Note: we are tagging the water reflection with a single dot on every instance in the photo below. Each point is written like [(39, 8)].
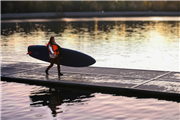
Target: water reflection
[(138, 44), (62, 100), (79, 104), (55, 97), (97, 29)]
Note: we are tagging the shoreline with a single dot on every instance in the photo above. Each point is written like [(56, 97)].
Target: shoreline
[(85, 14)]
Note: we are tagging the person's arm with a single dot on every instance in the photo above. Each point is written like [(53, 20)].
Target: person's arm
[(51, 50)]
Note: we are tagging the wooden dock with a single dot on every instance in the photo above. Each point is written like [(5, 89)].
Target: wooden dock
[(128, 82)]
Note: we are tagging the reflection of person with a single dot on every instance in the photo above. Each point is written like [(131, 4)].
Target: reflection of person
[(54, 102), (54, 52)]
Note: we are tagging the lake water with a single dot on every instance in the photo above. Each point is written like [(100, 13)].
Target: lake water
[(150, 43), (30, 102)]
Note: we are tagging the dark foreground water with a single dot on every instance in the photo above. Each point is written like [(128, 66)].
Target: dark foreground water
[(30, 102), (143, 43)]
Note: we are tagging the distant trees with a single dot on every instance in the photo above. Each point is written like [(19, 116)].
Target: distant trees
[(87, 6)]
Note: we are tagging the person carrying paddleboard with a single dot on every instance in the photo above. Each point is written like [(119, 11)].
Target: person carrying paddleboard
[(54, 52)]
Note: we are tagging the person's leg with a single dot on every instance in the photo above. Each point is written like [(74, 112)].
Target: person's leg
[(51, 64), (58, 65)]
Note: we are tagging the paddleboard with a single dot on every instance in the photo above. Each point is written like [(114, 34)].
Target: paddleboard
[(68, 57)]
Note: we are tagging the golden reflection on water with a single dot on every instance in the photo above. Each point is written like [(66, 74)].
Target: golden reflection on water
[(99, 19), (123, 44)]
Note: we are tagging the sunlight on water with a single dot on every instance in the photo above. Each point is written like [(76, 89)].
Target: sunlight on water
[(150, 43), (98, 19), (139, 43)]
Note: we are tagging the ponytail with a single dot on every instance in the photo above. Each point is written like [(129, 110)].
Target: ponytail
[(50, 40)]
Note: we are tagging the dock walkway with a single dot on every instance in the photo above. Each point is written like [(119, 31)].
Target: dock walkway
[(113, 80)]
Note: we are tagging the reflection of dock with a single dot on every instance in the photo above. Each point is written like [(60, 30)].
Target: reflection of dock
[(128, 82)]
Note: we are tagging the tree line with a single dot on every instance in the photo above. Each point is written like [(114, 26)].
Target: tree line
[(87, 6)]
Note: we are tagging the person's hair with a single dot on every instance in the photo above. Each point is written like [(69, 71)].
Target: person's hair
[(50, 40)]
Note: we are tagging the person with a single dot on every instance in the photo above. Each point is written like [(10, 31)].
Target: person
[(54, 52)]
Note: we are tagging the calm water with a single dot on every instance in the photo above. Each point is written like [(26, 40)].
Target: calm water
[(29, 102), (141, 43)]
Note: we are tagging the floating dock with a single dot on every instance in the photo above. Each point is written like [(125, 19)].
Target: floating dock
[(117, 81)]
